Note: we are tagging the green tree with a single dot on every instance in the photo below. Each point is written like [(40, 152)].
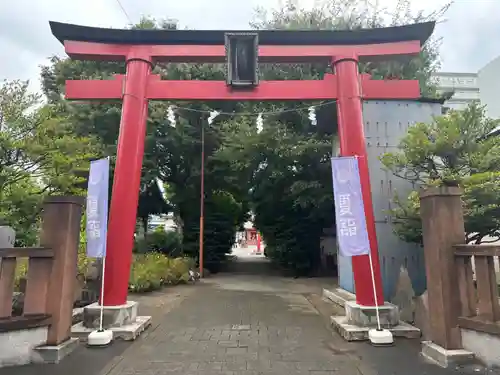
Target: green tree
[(357, 14), (290, 184), (447, 149), (452, 150), (171, 154), (19, 208), (39, 155), (287, 165)]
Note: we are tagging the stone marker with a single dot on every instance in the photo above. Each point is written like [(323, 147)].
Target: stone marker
[(7, 239), (422, 315), (404, 296), (7, 236)]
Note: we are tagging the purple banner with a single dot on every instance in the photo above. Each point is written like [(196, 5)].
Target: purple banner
[(352, 235), (97, 208)]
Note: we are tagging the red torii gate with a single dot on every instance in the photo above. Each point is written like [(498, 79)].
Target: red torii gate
[(140, 49)]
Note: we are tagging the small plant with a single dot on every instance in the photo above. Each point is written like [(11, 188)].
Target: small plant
[(159, 241), (21, 272), (151, 271), (84, 262)]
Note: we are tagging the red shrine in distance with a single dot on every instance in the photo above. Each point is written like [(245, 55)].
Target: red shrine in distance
[(141, 49)]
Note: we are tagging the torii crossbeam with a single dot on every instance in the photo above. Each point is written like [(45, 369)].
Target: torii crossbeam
[(140, 49)]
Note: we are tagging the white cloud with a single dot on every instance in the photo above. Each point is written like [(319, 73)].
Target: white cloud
[(25, 38), (469, 34)]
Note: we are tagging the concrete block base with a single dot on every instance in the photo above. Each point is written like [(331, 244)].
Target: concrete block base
[(54, 354), (483, 345), (18, 347), (366, 316), (127, 332), (113, 316), (360, 333), (338, 296), (445, 358)]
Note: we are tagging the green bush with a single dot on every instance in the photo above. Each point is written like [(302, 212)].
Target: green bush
[(224, 214), (159, 241), (151, 271), (83, 263)]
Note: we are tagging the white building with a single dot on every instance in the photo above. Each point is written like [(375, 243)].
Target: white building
[(489, 87), (464, 85), (467, 87), (165, 221)]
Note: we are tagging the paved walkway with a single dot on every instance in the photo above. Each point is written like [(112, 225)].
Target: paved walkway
[(256, 325), (218, 331), (242, 324)]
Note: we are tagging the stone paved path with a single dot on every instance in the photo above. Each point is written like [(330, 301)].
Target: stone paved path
[(243, 324), (258, 325), (238, 332)]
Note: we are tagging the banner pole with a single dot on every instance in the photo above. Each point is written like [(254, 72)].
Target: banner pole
[(377, 312), (102, 292), (96, 230)]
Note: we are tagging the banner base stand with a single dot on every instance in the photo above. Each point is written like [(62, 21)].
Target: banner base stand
[(355, 333), (122, 320), (100, 338), (362, 316), (358, 320), (380, 337)]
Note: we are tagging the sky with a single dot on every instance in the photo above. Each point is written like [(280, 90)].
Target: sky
[(469, 31)]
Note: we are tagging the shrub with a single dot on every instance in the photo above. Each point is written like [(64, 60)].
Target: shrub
[(21, 272), (151, 271), (159, 241), (83, 264)]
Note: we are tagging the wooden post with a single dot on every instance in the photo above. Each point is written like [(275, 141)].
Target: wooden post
[(7, 273), (442, 227), (61, 232)]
